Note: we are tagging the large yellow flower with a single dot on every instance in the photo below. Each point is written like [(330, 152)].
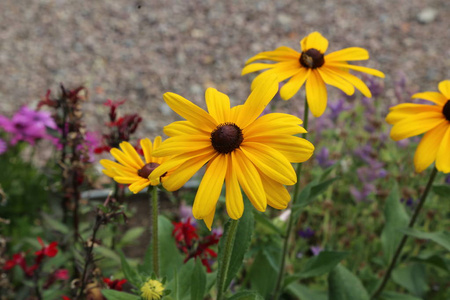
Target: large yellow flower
[(410, 119), (239, 147), (314, 68), (130, 168)]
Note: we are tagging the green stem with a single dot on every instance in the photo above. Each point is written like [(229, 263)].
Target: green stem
[(291, 218), (399, 249), (225, 259), (153, 190)]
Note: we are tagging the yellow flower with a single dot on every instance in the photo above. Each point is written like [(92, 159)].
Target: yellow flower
[(410, 119), (312, 66), (239, 147), (130, 168), (152, 290)]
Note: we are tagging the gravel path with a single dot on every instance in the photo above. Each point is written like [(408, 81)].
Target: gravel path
[(138, 50)]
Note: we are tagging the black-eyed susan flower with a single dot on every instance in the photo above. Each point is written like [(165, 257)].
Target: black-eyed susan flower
[(410, 119), (130, 169), (240, 147), (313, 67), (152, 290)]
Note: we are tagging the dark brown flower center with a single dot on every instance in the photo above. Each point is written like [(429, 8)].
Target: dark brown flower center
[(226, 137), (146, 170), (312, 59), (446, 110)]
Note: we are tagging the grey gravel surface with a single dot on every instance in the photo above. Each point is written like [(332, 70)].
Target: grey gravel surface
[(138, 50)]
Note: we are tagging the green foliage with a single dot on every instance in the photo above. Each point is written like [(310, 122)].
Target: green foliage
[(321, 264), (441, 238), (344, 285), (116, 295), (412, 277)]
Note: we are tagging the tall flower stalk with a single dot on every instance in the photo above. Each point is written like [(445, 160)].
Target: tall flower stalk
[(225, 259), (291, 218), (153, 195), (399, 249)]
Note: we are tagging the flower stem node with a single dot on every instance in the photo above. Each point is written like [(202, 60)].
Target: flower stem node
[(152, 290)]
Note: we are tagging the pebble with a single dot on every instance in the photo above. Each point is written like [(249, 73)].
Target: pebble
[(427, 15)]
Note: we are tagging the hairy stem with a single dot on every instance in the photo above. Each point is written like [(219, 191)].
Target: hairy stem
[(225, 262), (155, 246)]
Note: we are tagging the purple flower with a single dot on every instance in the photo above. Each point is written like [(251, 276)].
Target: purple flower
[(363, 194), (375, 85), (306, 234), (447, 179), (409, 202), (3, 146), (337, 107), (316, 250), (322, 158)]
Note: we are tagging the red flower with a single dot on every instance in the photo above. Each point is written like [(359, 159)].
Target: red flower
[(17, 259), (115, 284), (184, 233), (49, 250)]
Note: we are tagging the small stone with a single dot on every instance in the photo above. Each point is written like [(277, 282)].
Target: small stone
[(427, 15), (165, 109)]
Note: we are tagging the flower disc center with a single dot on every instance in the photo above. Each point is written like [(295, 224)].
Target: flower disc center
[(312, 59), (446, 110), (226, 137), (146, 170)]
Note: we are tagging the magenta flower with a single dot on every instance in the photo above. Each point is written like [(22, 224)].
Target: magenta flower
[(3, 146)]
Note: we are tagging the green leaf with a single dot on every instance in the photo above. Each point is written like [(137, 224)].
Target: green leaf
[(108, 253), (116, 295), (440, 237), (130, 273), (185, 280), (241, 243), (147, 266), (344, 285), (396, 296), (395, 218), (412, 277), (442, 190), (198, 281), (302, 292), (262, 274), (321, 264), (55, 225), (266, 222), (170, 257), (246, 295), (432, 259), (131, 236)]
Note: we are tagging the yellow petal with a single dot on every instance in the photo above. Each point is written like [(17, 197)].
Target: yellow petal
[(218, 105), (434, 97), (146, 146), (124, 159), (405, 110), (335, 80), (352, 79), (233, 196), (279, 54), (314, 41), (270, 162), (348, 54), (443, 154), (183, 143), (209, 219), (370, 71), (128, 180), (277, 195), (316, 94), (210, 187), (139, 186), (257, 101), (428, 147), (189, 111), (282, 73), (416, 125), (256, 67), (288, 90), (157, 142), (185, 171), (249, 179), (444, 88), (130, 152), (182, 128), (115, 167)]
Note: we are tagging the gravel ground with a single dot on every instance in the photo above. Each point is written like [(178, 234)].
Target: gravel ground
[(138, 50)]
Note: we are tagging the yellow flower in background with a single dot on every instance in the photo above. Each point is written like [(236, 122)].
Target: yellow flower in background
[(130, 169), (152, 290), (313, 67), (410, 119), (239, 147)]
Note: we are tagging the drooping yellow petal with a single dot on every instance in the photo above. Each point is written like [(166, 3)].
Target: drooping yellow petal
[(335, 80), (270, 162), (314, 41), (138, 186), (128, 180), (249, 179), (416, 125), (289, 89), (444, 88), (405, 110), (428, 147), (352, 79), (347, 54), (182, 128), (115, 167), (147, 148), (131, 153), (434, 97), (367, 70), (257, 101), (210, 187), (280, 54), (256, 67), (277, 195), (233, 196), (185, 171), (316, 94), (110, 172), (282, 73), (209, 219), (218, 105), (189, 111), (124, 159), (443, 154)]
